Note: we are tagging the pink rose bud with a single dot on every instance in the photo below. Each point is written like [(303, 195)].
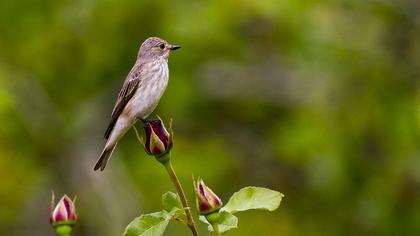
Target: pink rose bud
[(207, 200), (158, 139), (64, 212)]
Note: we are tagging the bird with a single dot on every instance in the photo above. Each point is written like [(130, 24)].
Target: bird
[(140, 93)]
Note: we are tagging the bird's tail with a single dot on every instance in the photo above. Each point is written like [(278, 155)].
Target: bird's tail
[(105, 155)]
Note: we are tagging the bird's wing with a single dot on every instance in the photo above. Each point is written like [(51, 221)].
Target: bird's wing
[(127, 91)]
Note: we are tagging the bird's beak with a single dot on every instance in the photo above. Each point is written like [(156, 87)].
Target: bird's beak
[(174, 47)]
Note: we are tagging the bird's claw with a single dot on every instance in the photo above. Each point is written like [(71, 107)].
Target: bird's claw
[(143, 120)]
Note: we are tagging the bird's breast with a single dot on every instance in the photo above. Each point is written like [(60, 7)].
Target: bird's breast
[(150, 90)]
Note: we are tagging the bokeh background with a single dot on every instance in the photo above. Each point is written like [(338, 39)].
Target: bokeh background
[(317, 99)]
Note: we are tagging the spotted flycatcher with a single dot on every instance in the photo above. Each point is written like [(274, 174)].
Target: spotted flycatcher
[(140, 93)]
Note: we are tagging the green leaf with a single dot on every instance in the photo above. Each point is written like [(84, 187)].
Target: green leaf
[(253, 198), (153, 224), (227, 221), (171, 201)]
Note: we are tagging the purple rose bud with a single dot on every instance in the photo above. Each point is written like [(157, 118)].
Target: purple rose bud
[(207, 200), (64, 212), (158, 139)]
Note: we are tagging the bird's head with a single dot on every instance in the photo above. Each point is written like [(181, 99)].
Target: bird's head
[(155, 47)]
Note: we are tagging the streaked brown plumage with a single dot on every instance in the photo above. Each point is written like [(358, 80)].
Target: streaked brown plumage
[(140, 93)]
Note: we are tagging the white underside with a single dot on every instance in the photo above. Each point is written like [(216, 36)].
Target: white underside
[(142, 104)]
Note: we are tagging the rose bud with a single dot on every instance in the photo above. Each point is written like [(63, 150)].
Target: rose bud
[(207, 200), (158, 139), (64, 212)]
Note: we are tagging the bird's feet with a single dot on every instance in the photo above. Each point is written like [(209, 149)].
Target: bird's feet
[(144, 121)]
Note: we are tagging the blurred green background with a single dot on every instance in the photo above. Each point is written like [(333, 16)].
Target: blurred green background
[(317, 99)]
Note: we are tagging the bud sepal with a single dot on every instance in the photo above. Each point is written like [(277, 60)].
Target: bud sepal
[(158, 141), (207, 201), (63, 216)]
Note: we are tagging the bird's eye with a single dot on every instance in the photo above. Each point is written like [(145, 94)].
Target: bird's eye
[(162, 46)]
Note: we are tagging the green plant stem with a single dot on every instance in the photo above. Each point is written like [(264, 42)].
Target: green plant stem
[(216, 229), (64, 234), (190, 221), (63, 230)]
